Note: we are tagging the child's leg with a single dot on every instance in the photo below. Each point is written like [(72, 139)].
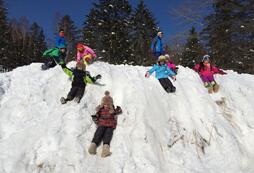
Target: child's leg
[(167, 85), (72, 93), (98, 135), (106, 142), (79, 94), (108, 136)]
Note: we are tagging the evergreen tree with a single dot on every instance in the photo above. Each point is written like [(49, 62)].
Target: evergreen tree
[(37, 43), (144, 29), (230, 33), (3, 36), (193, 50), (71, 35), (107, 30)]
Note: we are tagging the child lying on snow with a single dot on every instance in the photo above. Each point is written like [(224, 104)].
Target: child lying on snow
[(80, 78), (206, 72), (106, 122)]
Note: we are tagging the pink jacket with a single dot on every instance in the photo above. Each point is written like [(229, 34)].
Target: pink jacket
[(171, 65), (87, 50), (208, 70)]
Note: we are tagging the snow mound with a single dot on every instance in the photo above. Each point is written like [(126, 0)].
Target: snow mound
[(189, 131)]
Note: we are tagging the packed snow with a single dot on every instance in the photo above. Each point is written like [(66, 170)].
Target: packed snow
[(189, 131)]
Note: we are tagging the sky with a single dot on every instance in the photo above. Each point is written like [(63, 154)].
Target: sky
[(44, 12)]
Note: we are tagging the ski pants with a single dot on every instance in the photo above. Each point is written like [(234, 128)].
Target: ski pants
[(167, 85), (104, 134), (207, 78), (77, 92)]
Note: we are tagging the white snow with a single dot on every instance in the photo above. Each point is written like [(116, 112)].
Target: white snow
[(186, 132)]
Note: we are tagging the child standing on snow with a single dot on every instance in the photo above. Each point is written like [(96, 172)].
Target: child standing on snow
[(80, 79), (85, 54), (206, 72), (56, 55), (106, 122), (157, 45), (162, 72), (60, 40)]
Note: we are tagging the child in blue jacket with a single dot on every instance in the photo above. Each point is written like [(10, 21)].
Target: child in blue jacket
[(60, 40), (162, 72)]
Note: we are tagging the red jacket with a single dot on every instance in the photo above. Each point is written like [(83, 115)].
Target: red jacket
[(105, 118)]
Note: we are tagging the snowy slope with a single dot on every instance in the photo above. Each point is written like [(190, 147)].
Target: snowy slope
[(186, 132)]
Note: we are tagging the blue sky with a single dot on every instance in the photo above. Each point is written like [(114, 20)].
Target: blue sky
[(44, 11)]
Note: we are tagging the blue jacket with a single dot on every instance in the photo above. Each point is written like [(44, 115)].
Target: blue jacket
[(161, 71), (60, 41), (157, 45)]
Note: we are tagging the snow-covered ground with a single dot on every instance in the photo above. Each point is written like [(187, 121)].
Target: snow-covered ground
[(186, 132)]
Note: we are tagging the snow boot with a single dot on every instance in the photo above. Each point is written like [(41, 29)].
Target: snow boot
[(105, 150), (63, 100), (216, 88), (92, 148)]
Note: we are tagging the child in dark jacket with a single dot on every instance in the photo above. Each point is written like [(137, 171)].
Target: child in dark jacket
[(80, 79), (106, 122)]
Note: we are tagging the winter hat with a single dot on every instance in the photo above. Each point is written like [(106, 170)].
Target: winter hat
[(107, 100), (167, 56), (161, 58), (206, 58), (81, 66), (80, 47)]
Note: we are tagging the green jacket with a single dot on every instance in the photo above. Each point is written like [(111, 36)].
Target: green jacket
[(87, 78), (56, 54)]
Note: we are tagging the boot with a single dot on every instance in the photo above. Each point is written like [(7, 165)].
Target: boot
[(92, 148), (216, 88), (63, 100), (105, 150)]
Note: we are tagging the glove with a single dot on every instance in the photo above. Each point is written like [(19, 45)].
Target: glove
[(174, 78), (63, 65), (147, 75), (98, 77), (94, 118)]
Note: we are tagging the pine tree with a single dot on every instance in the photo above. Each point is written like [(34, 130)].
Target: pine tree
[(107, 30), (3, 36), (37, 43), (71, 35), (230, 34), (144, 29), (193, 50)]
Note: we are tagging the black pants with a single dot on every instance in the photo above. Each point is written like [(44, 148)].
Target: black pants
[(104, 134), (75, 92), (167, 85)]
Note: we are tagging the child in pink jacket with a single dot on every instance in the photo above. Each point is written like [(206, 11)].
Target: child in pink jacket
[(206, 72), (170, 64), (85, 53)]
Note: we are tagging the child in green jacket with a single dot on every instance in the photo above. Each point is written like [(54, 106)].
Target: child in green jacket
[(56, 55)]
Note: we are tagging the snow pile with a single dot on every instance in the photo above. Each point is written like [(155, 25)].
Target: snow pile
[(189, 131)]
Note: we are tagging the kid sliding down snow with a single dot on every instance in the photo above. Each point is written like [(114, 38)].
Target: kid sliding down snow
[(162, 72), (206, 72), (106, 122), (56, 55), (80, 78)]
